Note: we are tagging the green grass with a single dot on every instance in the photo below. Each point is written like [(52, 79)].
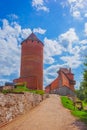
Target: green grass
[(41, 92), (81, 114), (67, 103), (84, 103), (21, 89)]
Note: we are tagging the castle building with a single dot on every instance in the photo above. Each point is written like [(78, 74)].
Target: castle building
[(31, 70), (63, 84)]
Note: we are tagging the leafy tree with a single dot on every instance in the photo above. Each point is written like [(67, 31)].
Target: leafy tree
[(83, 86), (80, 94)]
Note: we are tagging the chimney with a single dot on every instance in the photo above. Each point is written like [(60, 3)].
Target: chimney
[(69, 70)]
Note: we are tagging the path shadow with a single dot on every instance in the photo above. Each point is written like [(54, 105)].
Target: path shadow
[(81, 125)]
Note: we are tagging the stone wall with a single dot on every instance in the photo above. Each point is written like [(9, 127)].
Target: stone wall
[(63, 91), (12, 105)]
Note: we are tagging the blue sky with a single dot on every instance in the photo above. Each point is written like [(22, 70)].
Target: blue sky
[(60, 24)]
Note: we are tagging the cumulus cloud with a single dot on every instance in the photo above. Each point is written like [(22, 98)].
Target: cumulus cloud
[(25, 33), (85, 29), (51, 48), (83, 41), (9, 49), (76, 14), (72, 61), (85, 15), (2, 81), (39, 30), (40, 5), (83, 51), (78, 8), (68, 38)]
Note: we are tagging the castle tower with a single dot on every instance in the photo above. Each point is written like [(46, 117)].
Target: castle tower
[(31, 70)]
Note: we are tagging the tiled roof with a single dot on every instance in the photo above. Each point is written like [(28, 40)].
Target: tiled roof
[(33, 37), (65, 70)]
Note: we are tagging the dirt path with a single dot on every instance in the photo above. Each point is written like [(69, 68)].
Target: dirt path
[(49, 115)]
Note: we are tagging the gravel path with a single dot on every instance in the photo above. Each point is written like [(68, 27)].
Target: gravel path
[(49, 115)]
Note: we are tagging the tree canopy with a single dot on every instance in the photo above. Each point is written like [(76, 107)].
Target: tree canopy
[(82, 92)]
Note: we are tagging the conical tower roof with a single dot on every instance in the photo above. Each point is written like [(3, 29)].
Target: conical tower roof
[(33, 37)]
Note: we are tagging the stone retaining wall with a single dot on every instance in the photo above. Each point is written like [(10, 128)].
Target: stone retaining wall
[(12, 105)]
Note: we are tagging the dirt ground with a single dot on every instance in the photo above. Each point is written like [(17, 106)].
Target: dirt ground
[(49, 115)]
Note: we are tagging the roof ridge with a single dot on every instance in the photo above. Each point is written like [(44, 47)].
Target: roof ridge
[(33, 37)]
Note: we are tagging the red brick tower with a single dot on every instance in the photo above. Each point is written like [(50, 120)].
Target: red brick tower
[(31, 70)]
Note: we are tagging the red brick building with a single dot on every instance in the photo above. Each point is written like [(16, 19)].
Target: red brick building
[(31, 71), (63, 84)]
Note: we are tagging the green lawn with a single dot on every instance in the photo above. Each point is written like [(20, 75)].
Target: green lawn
[(21, 89), (67, 103)]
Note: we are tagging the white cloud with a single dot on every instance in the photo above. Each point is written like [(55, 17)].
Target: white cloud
[(25, 33), (67, 39), (39, 30), (72, 61), (78, 8), (40, 5), (9, 49), (68, 44), (69, 36), (2, 81), (37, 2), (13, 16), (48, 59), (50, 74), (85, 29), (83, 41), (76, 14), (76, 50), (44, 8), (51, 48), (83, 51), (85, 15), (77, 85)]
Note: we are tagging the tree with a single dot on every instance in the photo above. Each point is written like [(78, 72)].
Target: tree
[(83, 86)]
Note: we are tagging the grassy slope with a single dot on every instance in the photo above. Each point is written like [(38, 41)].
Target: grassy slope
[(20, 89), (67, 103)]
